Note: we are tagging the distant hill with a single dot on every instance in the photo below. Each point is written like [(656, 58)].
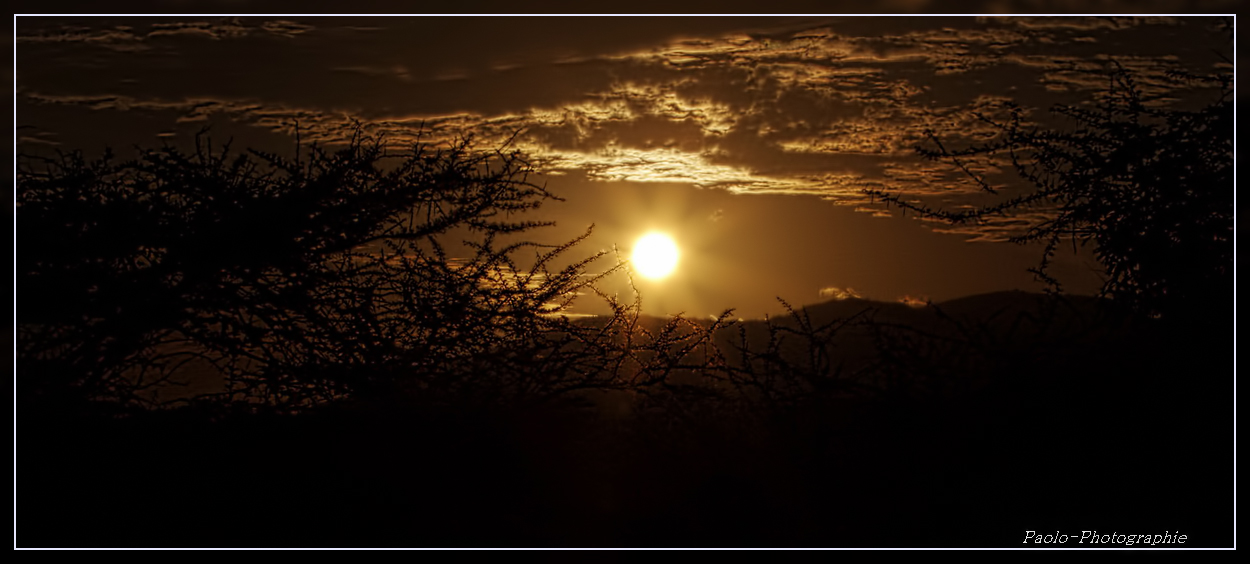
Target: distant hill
[(961, 343), (981, 307)]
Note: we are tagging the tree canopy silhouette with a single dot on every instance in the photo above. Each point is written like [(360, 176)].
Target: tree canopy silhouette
[(1150, 184), (299, 280)]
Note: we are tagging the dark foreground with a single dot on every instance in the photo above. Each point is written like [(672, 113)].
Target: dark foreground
[(1135, 440)]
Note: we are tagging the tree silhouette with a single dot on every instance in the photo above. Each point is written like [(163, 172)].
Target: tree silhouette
[(1151, 185), (301, 280)]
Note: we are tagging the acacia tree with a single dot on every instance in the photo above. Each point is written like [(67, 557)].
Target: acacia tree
[(1150, 185), (303, 280)]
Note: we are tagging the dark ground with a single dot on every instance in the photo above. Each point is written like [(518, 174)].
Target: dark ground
[(1129, 438)]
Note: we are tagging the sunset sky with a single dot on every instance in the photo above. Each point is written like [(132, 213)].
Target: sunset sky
[(749, 140)]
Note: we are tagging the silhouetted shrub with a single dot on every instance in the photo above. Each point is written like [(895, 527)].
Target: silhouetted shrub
[(299, 281), (1149, 183)]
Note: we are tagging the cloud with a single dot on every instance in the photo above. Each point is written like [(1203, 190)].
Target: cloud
[(285, 28), (914, 301), (37, 140), (120, 38), (1080, 23), (826, 106), (127, 38), (836, 293)]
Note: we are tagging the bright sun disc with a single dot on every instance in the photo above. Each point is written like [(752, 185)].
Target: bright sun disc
[(655, 255)]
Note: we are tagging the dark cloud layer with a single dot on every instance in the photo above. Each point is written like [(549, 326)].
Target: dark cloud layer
[(828, 106), (811, 107)]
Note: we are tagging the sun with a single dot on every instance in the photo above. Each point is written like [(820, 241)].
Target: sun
[(655, 256)]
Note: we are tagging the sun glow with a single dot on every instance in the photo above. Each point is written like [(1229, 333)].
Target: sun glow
[(655, 256)]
